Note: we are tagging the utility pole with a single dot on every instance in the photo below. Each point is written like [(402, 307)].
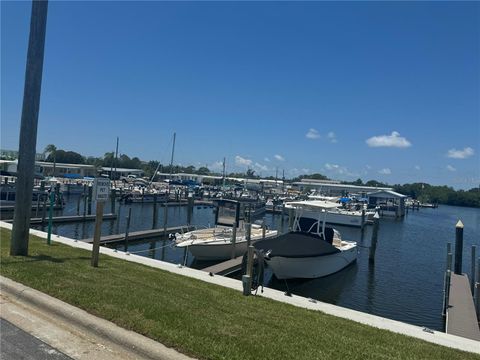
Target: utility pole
[(28, 129)]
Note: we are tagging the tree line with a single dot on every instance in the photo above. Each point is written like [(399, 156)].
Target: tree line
[(419, 191)]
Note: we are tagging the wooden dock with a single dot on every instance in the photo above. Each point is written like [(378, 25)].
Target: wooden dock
[(70, 218), (225, 268), (139, 235), (461, 316)]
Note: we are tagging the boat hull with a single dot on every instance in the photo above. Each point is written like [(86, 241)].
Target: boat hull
[(221, 250), (311, 267)]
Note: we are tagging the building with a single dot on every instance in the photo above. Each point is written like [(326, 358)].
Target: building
[(335, 188), (76, 171), (390, 203), (122, 172)]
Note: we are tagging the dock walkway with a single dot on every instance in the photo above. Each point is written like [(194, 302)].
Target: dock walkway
[(69, 218), (461, 315), (139, 235), (225, 268)]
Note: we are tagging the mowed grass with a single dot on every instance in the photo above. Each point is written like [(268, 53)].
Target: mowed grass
[(200, 319)]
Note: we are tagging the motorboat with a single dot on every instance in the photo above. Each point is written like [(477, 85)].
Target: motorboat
[(311, 250), (338, 214), (220, 242)]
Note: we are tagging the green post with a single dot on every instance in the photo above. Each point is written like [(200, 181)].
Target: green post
[(50, 216)]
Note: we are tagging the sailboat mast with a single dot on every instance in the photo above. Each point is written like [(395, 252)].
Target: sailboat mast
[(223, 186), (173, 152)]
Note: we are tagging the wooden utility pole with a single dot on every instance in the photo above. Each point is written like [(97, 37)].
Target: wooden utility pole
[(28, 129)]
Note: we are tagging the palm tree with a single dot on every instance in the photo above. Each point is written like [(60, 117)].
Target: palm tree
[(52, 150)]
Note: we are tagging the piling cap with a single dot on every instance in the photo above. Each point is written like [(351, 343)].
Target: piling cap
[(459, 224)]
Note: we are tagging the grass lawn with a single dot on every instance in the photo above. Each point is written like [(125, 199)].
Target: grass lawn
[(200, 319)]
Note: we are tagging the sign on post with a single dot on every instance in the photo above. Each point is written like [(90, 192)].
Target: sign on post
[(101, 190)]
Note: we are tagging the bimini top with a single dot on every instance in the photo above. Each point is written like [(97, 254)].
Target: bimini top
[(296, 245), (313, 204)]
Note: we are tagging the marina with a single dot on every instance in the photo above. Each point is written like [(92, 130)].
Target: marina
[(376, 288)]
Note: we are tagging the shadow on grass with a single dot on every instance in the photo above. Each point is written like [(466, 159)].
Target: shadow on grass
[(48, 258)]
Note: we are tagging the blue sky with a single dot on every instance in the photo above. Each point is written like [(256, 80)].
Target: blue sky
[(387, 91)]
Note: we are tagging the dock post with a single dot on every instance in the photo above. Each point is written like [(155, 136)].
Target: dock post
[(97, 234), (78, 204), (446, 285), (234, 239), (264, 229), (472, 272), (458, 247), (282, 219), (248, 233), (247, 278), (84, 205), (290, 219), (477, 289), (363, 219), (112, 201), (127, 230), (90, 193), (44, 209), (50, 217), (154, 222), (143, 194), (447, 290), (373, 245), (165, 220), (189, 208)]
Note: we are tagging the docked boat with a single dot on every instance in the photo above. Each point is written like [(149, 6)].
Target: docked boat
[(219, 242), (337, 214), (311, 250)]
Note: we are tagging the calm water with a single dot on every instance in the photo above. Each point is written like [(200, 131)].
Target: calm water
[(405, 283)]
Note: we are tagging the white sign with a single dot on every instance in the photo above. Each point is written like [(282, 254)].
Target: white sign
[(101, 189)]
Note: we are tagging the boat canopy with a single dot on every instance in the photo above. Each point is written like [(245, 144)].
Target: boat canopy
[(296, 245), (314, 204)]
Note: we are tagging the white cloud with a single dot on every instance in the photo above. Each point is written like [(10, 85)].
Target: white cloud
[(392, 140), (385, 171), (451, 168), (279, 157), (216, 166), (260, 167), (332, 137), (460, 154), (312, 134), (240, 161), (417, 167), (266, 159), (336, 169)]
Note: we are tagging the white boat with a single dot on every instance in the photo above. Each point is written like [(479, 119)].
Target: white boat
[(312, 250), (216, 243), (336, 214)]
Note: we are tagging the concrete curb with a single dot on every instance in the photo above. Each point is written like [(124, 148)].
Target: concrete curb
[(134, 342)]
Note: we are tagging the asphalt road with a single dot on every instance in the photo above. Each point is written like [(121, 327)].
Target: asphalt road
[(16, 344)]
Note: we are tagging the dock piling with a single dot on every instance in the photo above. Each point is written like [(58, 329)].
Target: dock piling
[(44, 209), (90, 194), (264, 228), (165, 220), (154, 220), (363, 219), (78, 204), (472, 272), (234, 239), (458, 247), (248, 232), (373, 245), (127, 230), (112, 200)]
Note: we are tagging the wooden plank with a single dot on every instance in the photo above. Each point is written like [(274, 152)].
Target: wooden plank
[(461, 315), (226, 267), (139, 235)]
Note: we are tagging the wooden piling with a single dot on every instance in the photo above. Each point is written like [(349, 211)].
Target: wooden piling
[(44, 209), (89, 201), (97, 233), (127, 230), (264, 229), (248, 232), (373, 245), (165, 220), (234, 239), (363, 219), (477, 289), (112, 200), (458, 247), (154, 222), (472, 272), (190, 208), (78, 204)]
